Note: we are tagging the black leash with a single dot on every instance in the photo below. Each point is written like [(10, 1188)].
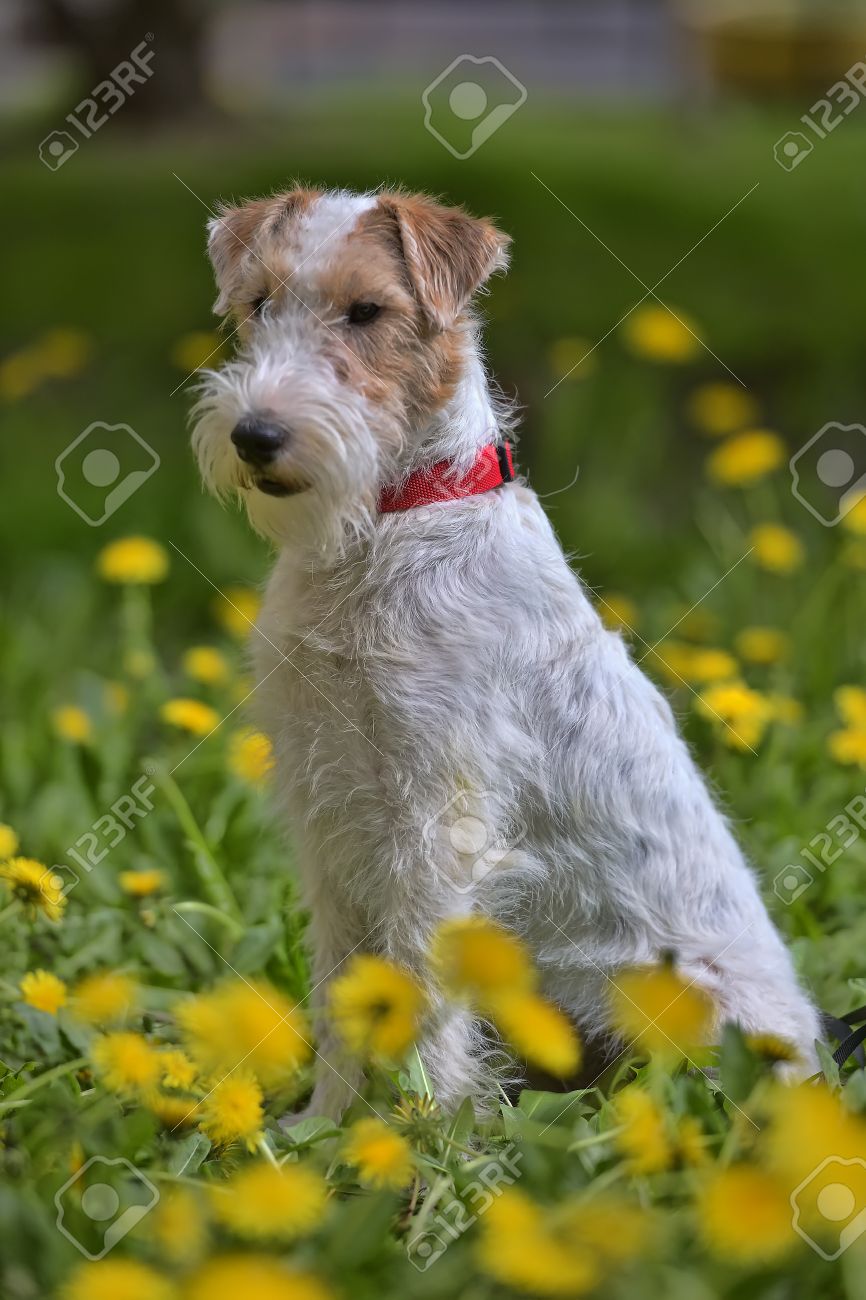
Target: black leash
[(852, 1039)]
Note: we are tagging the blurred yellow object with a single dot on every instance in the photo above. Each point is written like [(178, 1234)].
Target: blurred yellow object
[(659, 334), (236, 610), (20, 375), (190, 715), (739, 714), (719, 409), (63, 352), (206, 664), (746, 458), (572, 358), (785, 709), (133, 560), (762, 645), (745, 1214), (776, 549), (140, 884), (8, 841), (250, 756), (72, 723), (196, 349), (44, 991), (680, 662)]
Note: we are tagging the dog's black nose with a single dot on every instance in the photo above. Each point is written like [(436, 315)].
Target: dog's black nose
[(257, 440)]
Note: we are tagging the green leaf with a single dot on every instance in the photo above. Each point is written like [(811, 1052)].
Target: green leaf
[(739, 1069), (463, 1123), (307, 1132), (252, 952), (829, 1067), (188, 1154)]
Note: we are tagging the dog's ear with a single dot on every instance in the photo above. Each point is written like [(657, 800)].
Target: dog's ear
[(233, 235), (448, 253), (228, 237)]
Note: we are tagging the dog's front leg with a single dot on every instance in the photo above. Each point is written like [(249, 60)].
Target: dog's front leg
[(452, 1046), (335, 933)]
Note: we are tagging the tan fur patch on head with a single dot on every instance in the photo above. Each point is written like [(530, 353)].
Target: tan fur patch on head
[(449, 254), (237, 234)]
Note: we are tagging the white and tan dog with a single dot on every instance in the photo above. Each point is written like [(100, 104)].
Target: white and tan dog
[(425, 670)]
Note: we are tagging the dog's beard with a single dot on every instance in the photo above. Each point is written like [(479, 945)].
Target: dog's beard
[(340, 448)]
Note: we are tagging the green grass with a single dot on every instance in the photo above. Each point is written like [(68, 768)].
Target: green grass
[(113, 245)]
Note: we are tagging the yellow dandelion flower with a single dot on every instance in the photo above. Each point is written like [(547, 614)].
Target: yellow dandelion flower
[(850, 702), (572, 358), (376, 1008), (776, 549), (262, 1202), (658, 334), (8, 842), (709, 665), (250, 756), (605, 1224), (104, 998), (854, 518), (260, 1277), (133, 561), (762, 645), (644, 1137), (618, 612), (140, 884), (691, 1142), (177, 1226), (382, 1157), (117, 1279), (538, 1031), (31, 882), (127, 1062), (44, 991), (171, 1110), (250, 1022), (63, 352), (673, 659), (534, 1248), (237, 609), (720, 408), (771, 1047), (232, 1111), (655, 1007), (206, 664), (746, 458), (72, 723), (196, 349), (178, 1071), (190, 715), (848, 746), (696, 622), (808, 1125), (744, 1215), (739, 714), (477, 959)]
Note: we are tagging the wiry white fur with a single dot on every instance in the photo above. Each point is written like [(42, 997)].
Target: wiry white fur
[(456, 651)]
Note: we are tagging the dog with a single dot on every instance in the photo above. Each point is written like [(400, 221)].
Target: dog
[(429, 661)]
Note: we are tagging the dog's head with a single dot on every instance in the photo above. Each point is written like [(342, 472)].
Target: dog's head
[(355, 333)]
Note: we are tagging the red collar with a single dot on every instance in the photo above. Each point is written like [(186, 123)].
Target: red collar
[(424, 487)]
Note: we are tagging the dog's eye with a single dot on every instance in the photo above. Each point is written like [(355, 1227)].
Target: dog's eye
[(258, 304), (361, 312)]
